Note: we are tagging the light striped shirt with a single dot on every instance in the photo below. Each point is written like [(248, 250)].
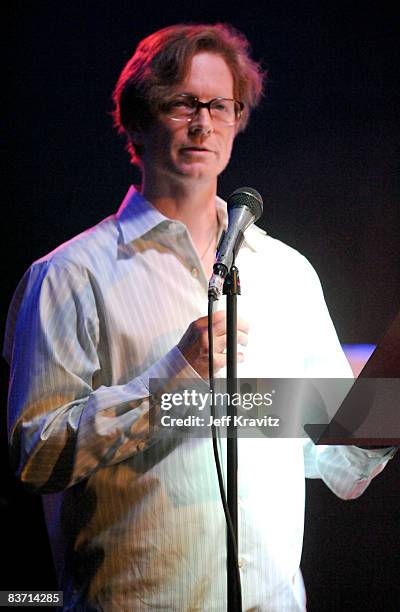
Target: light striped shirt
[(135, 522)]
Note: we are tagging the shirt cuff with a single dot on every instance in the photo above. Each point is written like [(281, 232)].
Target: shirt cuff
[(172, 366), (386, 452)]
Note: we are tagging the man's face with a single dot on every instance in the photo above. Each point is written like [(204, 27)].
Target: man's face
[(199, 150)]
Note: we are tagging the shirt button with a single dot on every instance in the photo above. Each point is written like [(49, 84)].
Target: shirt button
[(194, 272), (240, 562)]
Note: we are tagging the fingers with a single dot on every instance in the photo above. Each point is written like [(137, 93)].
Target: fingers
[(243, 325), (219, 323), (194, 343), (242, 338)]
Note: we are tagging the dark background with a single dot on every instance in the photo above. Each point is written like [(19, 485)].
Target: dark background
[(322, 149)]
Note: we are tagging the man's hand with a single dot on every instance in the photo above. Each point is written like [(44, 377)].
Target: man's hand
[(194, 343)]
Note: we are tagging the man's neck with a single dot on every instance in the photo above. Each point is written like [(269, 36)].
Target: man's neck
[(192, 204)]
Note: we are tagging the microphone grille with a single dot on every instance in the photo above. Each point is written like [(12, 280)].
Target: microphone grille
[(247, 196)]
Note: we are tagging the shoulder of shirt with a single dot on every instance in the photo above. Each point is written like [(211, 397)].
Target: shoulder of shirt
[(87, 249), (91, 250), (277, 251)]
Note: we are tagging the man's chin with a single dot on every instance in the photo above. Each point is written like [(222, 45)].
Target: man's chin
[(199, 171)]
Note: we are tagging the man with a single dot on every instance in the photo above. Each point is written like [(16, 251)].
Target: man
[(136, 522)]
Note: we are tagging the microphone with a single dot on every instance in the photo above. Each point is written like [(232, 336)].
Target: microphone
[(245, 206)]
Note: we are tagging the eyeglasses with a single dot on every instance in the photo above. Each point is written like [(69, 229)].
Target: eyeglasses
[(184, 107)]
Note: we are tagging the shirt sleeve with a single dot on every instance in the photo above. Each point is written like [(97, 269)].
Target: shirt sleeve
[(346, 470), (62, 426)]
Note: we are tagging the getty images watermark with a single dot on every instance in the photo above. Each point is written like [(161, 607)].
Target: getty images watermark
[(202, 402), (277, 408), (257, 408)]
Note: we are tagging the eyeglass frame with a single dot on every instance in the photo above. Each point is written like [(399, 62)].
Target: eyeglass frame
[(207, 105)]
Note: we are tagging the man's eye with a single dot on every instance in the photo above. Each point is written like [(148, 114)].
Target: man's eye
[(180, 104), (220, 107)]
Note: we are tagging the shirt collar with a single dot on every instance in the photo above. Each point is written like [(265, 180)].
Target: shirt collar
[(136, 216)]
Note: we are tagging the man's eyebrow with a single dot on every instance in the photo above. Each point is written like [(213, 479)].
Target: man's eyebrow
[(189, 93)]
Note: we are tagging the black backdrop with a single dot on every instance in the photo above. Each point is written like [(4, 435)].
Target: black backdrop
[(321, 149)]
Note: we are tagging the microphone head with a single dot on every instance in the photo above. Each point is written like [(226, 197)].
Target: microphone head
[(249, 197)]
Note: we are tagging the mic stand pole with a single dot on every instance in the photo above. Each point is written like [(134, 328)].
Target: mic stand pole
[(231, 289)]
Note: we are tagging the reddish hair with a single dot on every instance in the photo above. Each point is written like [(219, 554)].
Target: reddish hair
[(162, 60)]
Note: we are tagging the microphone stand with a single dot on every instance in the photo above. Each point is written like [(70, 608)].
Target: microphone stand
[(231, 289)]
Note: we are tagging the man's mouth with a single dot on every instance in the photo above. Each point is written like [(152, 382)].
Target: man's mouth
[(196, 150)]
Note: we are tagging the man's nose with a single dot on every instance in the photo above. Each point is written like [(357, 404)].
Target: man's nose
[(201, 122)]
